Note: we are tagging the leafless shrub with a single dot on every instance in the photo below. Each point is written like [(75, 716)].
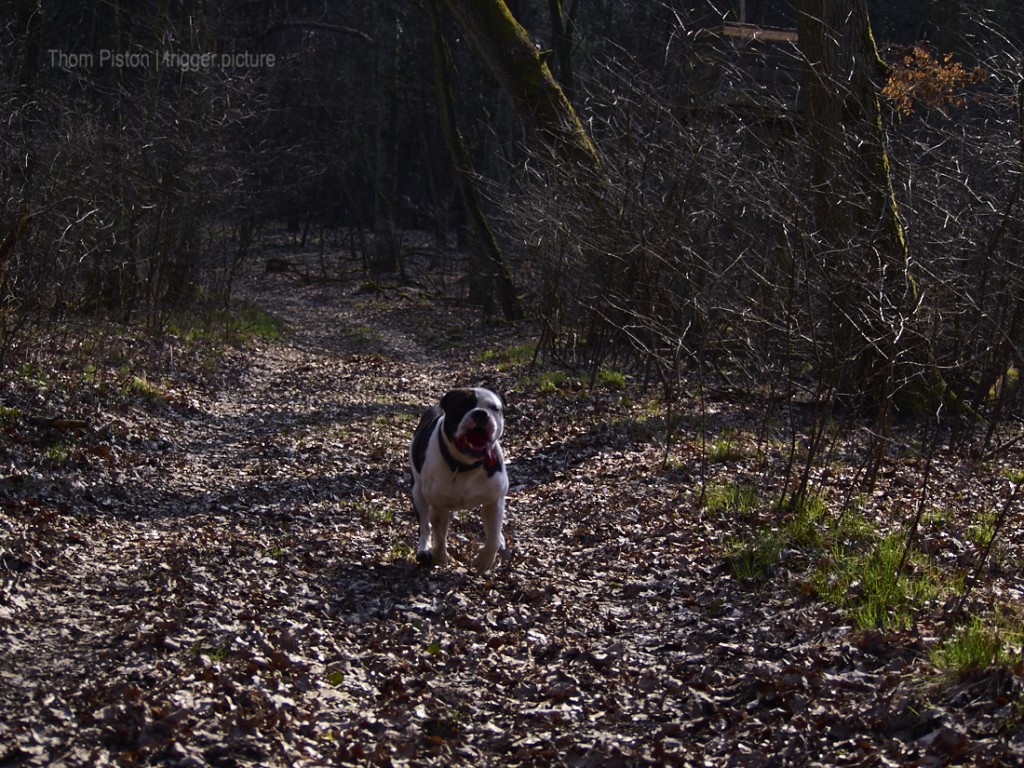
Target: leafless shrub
[(701, 252), (135, 180)]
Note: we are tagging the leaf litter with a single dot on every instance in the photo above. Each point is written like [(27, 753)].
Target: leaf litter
[(222, 575)]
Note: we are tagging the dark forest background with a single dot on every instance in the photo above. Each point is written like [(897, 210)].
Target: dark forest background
[(723, 238)]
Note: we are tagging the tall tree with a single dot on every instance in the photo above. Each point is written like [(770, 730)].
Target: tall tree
[(385, 226), (872, 293), (508, 52), (494, 264), (540, 103), (562, 27)]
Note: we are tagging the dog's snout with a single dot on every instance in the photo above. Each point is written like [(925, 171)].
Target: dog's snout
[(480, 417)]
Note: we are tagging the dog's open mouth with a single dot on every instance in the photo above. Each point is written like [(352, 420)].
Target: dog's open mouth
[(476, 442)]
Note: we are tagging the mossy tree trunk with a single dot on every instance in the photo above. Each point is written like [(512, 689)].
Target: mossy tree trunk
[(509, 54), (551, 124), (871, 290), (494, 265)]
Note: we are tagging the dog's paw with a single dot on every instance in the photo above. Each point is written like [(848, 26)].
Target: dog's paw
[(428, 559), (483, 562)]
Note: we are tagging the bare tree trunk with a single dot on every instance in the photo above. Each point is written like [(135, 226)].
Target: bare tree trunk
[(561, 42), (495, 266), (872, 292), (385, 228), (507, 51), (28, 16)]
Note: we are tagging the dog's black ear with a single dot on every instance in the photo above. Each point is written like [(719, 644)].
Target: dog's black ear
[(458, 399)]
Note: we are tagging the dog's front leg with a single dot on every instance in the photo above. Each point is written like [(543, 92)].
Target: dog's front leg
[(439, 521), (423, 555), (494, 540), (423, 513)]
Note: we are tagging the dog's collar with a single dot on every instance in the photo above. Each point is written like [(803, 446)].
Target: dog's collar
[(457, 466)]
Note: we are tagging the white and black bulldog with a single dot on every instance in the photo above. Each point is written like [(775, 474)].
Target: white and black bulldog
[(457, 464)]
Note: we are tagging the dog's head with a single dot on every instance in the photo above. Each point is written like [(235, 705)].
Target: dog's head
[(473, 421)]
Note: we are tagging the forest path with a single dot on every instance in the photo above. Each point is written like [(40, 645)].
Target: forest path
[(226, 578)]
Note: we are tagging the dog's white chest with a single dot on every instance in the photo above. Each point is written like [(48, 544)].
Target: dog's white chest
[(443, 487)]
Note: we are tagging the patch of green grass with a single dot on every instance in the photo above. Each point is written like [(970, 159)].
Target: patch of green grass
[(147, 390), (755, 557), (856, 569), (731, 498), (400, 551), (366, 338), (518, 356), (976, 647), (641, 427), (249, 321), (983, 528), (9, 415), (726, 448), (370, 510), (550, 382), (938, 517), (805, 527), (651, 420), (851, 525), (865, 582), (449, 338), (242, 323), (58, 453), (1014, 475), (611, 379)]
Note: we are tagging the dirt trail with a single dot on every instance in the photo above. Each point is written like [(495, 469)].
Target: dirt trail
[(229, 581)]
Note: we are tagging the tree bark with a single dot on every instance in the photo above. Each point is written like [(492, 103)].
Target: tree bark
[(495, 266), (385, 228), (561, 43), (28, 28), (541, 105), (872, 292)]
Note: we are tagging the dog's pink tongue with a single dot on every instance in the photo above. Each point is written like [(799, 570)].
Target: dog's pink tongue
[(491, 458)]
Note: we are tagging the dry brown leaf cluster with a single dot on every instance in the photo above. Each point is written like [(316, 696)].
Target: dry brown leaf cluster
[(919, 78)]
